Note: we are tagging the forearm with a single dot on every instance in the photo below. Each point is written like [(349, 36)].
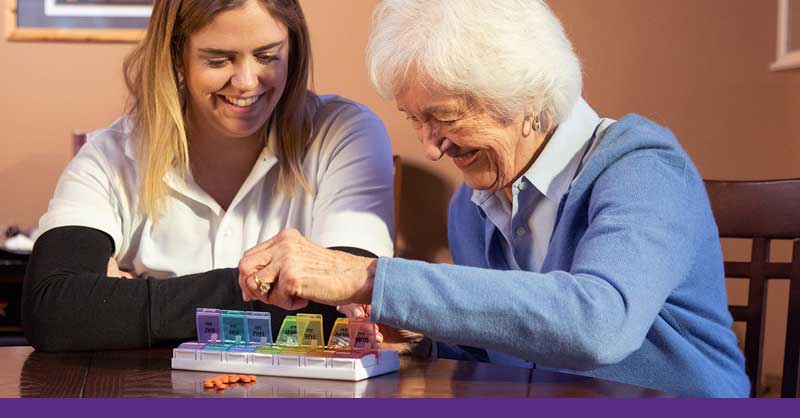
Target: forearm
[(70, 304), (557, 319)]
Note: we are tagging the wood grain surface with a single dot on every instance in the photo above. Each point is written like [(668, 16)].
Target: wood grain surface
[(147, 373)]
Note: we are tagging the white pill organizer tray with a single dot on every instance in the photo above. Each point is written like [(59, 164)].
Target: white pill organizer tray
[(241, 342)]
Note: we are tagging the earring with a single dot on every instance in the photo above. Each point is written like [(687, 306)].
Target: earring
[(526, 126), (537, 123)]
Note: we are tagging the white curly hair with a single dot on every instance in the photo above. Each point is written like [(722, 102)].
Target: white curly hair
[(505, 54)]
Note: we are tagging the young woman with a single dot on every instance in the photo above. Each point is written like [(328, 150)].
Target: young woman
[(223, 147)]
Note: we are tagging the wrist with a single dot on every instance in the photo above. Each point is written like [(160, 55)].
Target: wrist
[(367, 282)]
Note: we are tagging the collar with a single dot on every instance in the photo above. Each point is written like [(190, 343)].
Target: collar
[(552, 172), (184, 184), (127, 129)]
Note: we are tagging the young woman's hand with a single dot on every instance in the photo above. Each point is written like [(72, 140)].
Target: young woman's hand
[(114, 271)]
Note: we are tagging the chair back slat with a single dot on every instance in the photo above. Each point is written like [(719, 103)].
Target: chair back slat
[(763, 211), (756, 300), (747, 209), (740, 269), (791, 358)]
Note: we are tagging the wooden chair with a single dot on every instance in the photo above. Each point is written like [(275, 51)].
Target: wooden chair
[(763, 211)]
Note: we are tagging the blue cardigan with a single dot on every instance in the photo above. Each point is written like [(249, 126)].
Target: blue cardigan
[(632, 288)]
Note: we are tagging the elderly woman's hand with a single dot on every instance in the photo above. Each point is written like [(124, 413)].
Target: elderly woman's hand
[(289, 270)]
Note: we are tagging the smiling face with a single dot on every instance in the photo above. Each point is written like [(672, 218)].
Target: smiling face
[(235, 70), (490, 153)]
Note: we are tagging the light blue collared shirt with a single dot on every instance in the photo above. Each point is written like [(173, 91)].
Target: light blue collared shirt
[(526, 223)]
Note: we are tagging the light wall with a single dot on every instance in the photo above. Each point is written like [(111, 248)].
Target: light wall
[(696, 66)]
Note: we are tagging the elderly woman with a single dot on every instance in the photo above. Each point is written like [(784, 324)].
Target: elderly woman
[(581, 243)]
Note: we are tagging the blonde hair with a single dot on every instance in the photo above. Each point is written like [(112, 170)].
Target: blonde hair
[(156, 105), (504, 54)]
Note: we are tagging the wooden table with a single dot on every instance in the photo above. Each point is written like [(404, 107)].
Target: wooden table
[(147, 373)]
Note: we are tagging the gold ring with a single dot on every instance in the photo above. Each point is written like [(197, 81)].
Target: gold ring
[(264, 289), (263, 286)]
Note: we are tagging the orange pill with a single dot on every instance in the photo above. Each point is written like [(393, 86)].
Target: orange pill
[(221, 385), (245, 379), (234, 378), (208, 384), (252, 377)]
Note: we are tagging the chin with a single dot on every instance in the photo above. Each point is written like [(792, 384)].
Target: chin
[(481, 175), (242, 131), (479, 182)]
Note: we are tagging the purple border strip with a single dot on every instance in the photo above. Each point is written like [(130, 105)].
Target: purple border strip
[(385, 408)]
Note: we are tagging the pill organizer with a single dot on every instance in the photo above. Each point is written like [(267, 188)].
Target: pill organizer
[(241, 342)]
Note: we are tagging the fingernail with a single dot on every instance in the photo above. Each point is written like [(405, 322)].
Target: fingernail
[(358, 312)]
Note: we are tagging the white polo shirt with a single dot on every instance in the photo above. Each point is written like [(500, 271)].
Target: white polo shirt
[(349, 165)]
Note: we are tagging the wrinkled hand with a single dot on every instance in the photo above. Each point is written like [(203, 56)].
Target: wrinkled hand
[(390, 338), (114, 271), (298, 270)]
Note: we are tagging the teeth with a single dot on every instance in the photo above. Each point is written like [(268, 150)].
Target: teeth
[(241, 102)]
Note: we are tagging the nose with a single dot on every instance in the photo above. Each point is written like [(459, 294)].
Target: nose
[(245, 76), (434, 144)]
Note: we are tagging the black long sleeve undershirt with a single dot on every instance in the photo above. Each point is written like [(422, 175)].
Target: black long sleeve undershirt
[(70, 304)]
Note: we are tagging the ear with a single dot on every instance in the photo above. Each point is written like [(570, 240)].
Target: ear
[(531, 109), (178, 64), (180, 75), (536, 109), (180, 70), (546, 120)]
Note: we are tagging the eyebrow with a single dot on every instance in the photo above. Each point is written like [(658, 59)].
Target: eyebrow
[(217, 51), (437, 109), (442, 109)]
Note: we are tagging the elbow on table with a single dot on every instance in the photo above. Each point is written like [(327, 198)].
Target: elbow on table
[(47, 334), (38, 332), (605, 333), (599, 357), (602, 348), (41, 327), (588, 347)]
